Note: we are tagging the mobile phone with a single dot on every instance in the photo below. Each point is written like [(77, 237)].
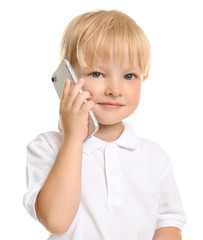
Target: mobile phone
[(63, 72)]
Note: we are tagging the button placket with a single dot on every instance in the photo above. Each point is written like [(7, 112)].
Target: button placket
[(112, 175)]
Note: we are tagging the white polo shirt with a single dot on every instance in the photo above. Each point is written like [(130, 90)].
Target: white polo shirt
[(128, 187)]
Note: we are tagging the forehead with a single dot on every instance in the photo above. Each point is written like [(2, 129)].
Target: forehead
[(121, 63), (110, 51)]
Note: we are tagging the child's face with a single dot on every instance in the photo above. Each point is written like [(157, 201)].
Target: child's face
[(115, 87)]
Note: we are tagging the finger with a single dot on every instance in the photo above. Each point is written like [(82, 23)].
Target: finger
[(60, 125), (74, 92), (65, 93), (81, 99), (87, 106)]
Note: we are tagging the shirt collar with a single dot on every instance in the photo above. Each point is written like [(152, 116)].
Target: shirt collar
[(128, 139)]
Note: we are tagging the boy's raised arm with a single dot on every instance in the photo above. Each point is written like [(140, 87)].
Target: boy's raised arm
[(58, 200)]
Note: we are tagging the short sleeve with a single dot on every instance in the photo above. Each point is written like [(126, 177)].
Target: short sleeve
[(41, 155), (170, 211)]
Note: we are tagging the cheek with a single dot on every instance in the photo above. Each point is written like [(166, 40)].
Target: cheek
[(134, 95), (93, 90)]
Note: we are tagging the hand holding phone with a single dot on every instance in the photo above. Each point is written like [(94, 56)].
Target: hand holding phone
[(62, 73)]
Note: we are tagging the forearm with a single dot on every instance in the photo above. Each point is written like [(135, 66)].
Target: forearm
[(59, 198), (167, 233)]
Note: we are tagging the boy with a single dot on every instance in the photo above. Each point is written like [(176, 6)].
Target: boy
[(116, 185)]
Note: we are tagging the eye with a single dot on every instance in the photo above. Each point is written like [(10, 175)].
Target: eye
[(96, 75), (130, 76)]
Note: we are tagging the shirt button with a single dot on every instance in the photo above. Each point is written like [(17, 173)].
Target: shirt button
[(109, 148), (113, 172)]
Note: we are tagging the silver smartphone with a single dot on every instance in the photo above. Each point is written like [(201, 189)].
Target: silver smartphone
[(63, 72)]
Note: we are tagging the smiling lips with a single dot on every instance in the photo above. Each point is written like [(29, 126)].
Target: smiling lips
[(111, 105)]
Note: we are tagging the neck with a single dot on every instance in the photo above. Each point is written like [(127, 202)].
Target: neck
[(109, 133)]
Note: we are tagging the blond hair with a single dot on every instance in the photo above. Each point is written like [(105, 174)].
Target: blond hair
[(105, 34)]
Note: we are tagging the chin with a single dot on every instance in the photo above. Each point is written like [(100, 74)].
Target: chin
[(111, 117), (109, 121)]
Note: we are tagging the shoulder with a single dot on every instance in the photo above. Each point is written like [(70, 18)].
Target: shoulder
[(151, 147), (49, 139), (155, 156), (140, 142), (146, 148)]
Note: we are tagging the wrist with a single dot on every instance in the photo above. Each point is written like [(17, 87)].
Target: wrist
[(71, 138)]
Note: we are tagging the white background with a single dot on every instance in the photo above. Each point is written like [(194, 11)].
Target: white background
[(170, 112)]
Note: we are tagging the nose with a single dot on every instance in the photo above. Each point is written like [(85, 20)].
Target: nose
[(113, 88)]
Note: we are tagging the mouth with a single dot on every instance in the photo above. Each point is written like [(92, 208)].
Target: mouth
[(111, 105)]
